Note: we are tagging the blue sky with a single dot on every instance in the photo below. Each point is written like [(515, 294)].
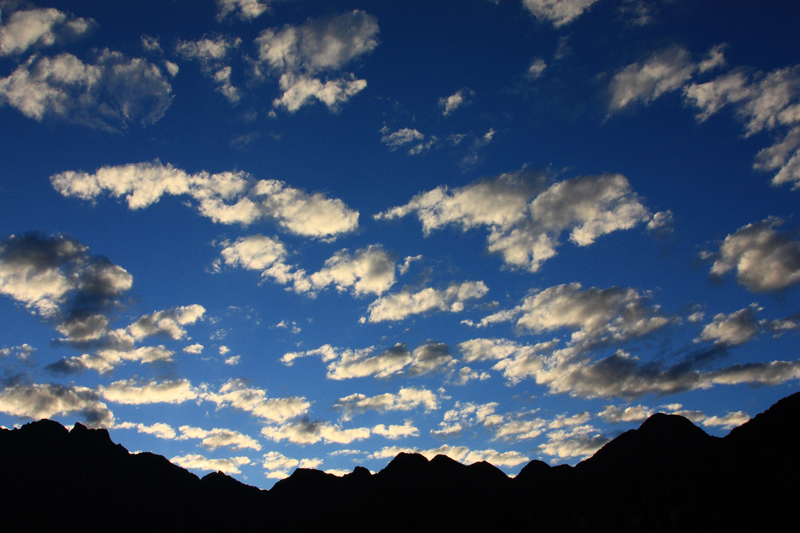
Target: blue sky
[(252, 235)]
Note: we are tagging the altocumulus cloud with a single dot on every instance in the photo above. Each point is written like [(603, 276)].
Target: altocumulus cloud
[(226, 198), (301, 55), (46, 400), (525, 216), (34, 27)]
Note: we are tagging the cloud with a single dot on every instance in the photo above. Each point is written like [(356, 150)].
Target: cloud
[(47, 400), (167, 323), (536, 68), (267, 254), (195, 349), (308, 432), (219, 438), (557, 12), (397, 360), (401, 305), (406, 136), (236, 394), (581, 441), (456, 100), (665, 71), (613, 414), (729, 421), (734, 329), (244, 9), (38, 27), (370, 270), (764, 259), (406, 399), (278, 465), (212, 54), (22, 352), (226, 198), (199, 462), (526, 217), (159, 430), (56, 277), (394, 432), (108, 94), (461, 454), (466, 415), (596, 316), (299, 55), (133, 392)]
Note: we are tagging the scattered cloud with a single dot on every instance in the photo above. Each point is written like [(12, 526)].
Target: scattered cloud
[(729, 421), (407, 136), (580, 441), (243, 9), (277, 465), (633, 413), (525, 216), (236, 394), (665, 71), (108, 94), (454, 101), (461, 454), (394, 432), (764, 259), (310, 432), (225, 198), (406, 399), (34, 27), (731, 330), (300, 55), (558, 12), (212, 53), (397, 360), (219, 438), (401, 305), (133, 392), (34, 401), (199, 462), (536, 68), (159, 429)]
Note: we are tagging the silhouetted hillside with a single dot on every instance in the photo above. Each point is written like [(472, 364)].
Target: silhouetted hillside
[(668, 475)]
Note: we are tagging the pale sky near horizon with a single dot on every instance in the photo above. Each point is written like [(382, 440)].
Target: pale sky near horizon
[(256, 235)]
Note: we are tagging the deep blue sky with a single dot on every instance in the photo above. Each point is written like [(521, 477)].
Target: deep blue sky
[(252, 235)]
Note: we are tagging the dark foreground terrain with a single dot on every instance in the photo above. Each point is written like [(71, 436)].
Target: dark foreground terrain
[(668, 475)]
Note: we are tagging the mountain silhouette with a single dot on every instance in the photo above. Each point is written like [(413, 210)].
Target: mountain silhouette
[(667, 475)]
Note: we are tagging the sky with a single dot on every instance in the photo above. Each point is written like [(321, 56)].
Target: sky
[(257, 235)]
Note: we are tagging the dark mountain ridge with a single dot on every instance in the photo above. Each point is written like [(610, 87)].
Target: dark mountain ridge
[(667, 475)]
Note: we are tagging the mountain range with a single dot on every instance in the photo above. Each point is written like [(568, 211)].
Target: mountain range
[(667, 475)]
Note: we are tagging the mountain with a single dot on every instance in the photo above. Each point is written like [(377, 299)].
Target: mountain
[(667, 475)]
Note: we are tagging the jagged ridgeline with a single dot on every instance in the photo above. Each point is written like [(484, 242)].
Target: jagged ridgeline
[(668, 475)]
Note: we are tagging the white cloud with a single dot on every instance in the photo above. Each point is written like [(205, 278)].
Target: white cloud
[(299, 55), (729, 421), (454, 101), (233, 360), (212, 54), (634, 413), (764, 259), (397, 360), (159, 429), (466, 415), (308, 432), (277, 465), (407, 136), (525, 216), (557, 12), (194, 349), (536, 68), (461, 454), (199, 462), (37, 27), (394, 432), (243, 9), (218, 438), (108, 94), (370, 270), (406, 399), (226, 198), (167, 323), (132, 392), (596, 316), (664, 71), (48, 400), (401, 305), (731, 330), (581, 441), (44, 272), (236, 394)]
